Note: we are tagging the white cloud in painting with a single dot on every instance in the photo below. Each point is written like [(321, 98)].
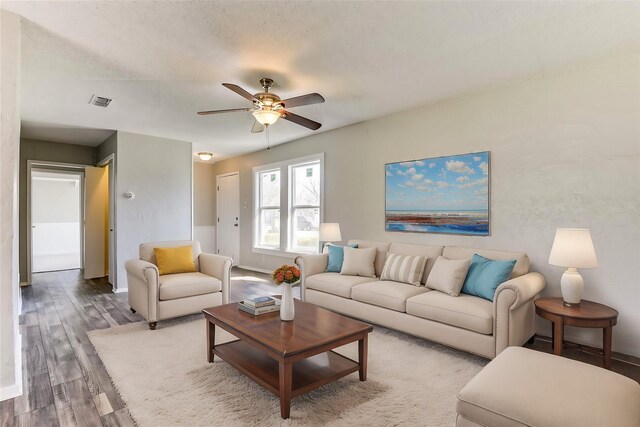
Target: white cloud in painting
[(389, 173), (432, 165), (428, 182), (483, 190), (410, 184), (442, 184), (419, 163), (476, 183), (411, 171), (459, 167), (417, 177), (402, 186), (443, 173), (400, 173), (484, 167), (406, 164), (424, 188), (462, 179), (477, 158)]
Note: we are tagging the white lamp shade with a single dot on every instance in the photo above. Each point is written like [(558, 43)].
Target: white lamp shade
[(330, 232), (572, 247)]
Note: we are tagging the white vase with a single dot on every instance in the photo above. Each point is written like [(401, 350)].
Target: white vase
[(287, 309)]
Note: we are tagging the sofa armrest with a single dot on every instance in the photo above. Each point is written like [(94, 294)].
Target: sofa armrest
[(310, 265), (142, 281), (514, 312), (217, 266)]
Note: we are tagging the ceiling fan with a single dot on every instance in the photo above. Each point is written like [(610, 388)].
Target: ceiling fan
[(268, 107)]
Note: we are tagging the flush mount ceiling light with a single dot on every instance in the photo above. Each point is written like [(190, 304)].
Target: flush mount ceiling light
[(205, 156)]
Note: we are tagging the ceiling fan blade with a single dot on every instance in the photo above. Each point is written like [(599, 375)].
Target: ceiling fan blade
[(299, 120), (243, 93), (257, 127), (231, 110), (310, 98)]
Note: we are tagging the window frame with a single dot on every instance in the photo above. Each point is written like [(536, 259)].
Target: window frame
[(286, 204)]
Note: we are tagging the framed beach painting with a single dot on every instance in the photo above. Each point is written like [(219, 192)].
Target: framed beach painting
[(439, 195)]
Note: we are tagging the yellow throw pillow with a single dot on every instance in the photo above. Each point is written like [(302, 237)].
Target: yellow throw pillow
[(175, 260)]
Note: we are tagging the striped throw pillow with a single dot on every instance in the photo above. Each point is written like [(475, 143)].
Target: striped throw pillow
[(404, 268)]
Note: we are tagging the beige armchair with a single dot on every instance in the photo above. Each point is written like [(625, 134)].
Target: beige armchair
[(158, 297)]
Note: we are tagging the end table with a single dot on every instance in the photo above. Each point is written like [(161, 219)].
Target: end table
[(588, 314)]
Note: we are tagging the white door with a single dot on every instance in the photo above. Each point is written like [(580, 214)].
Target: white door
[(228, 207), (95, 221), (111, 214)]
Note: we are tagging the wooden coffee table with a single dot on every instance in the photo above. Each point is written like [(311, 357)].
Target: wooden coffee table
[(288, 358)]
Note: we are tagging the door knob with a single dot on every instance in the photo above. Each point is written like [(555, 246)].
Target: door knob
[(235, 225)]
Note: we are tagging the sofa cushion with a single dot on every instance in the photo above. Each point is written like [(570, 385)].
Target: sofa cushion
[(448, 275), (173, 286), (404, 268), (336, 257), (433, 252), (387, 294), (462, 252), (463, 311), (381, 256), (147, 253), (486, 275), (334, 283), (359, 262)]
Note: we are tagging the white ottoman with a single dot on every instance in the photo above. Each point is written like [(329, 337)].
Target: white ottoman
[(522, 387)]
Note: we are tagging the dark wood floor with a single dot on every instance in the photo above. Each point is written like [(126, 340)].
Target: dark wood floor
[(65, 382)]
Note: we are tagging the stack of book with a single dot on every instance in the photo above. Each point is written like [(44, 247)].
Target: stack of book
[(260, 305)]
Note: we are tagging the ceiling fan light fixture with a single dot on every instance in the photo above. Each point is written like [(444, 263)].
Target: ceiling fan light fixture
[(205, 156), (266, 117)]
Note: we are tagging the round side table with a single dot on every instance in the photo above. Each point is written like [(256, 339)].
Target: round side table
[(588, 314)]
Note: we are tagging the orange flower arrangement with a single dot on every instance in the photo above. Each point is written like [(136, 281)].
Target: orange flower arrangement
[(286, 274)]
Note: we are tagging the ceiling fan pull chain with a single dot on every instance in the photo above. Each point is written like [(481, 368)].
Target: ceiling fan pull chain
[(267, 132)]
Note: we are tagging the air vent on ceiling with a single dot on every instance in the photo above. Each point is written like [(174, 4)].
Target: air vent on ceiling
[(100, 101)]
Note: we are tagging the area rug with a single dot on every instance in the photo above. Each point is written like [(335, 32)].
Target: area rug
[(165, 380)]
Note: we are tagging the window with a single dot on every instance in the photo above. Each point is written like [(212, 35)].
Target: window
[(305, 206), (269, 210), (288, 201)]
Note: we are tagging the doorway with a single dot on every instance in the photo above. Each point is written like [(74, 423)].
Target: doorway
[(56, 220), (228, 209)]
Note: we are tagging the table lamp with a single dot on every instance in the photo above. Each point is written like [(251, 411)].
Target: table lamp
[(572, 248), (329, 232)]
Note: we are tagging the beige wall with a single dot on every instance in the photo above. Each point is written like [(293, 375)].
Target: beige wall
[(10, 338), (204, 194), (159, 172), (45, 151), (565, 151)]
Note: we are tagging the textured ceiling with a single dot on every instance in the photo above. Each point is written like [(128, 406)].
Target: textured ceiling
[(163, 61)]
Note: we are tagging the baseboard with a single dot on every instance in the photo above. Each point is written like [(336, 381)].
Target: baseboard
[(120, 290), (257, 269), (14, 390)]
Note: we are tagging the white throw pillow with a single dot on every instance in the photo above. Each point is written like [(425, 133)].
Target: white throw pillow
[(447, 275), (359, 262), (404, 268)]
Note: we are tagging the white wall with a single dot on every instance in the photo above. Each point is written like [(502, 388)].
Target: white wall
[(565, 151), (10, 339), (204, 218), (158, 172)]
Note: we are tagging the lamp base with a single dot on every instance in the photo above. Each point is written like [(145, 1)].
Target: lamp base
[(572, 286)]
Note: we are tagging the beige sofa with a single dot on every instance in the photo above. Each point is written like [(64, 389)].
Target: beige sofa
[(465, 322), (158, 297)]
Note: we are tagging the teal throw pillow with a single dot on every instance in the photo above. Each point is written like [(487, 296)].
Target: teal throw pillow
[(336, 257), (485, 275)]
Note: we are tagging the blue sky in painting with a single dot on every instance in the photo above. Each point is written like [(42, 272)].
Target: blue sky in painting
[(452, 183)]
